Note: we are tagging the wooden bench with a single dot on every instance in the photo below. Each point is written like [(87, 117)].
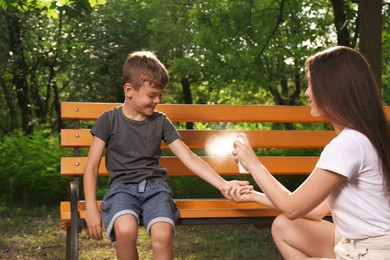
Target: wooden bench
[(198, 211)]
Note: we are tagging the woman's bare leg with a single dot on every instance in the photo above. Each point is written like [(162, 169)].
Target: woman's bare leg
[(303, 238), (162, 240), (126, 232)]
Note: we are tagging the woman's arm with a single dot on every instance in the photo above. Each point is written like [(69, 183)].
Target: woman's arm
[(299, 203), (319, 212), (241, 195)]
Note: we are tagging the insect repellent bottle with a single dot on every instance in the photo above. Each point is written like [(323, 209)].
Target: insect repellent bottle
[(241, 169)]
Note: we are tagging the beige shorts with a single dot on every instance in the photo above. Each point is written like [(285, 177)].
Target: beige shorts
[(374, 248)]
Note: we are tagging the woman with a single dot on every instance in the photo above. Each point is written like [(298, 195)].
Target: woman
[(351, 178)]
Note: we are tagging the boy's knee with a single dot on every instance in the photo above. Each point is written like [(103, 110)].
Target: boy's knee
[(125, 231), (162, 235), (126, 228), (162, 242)]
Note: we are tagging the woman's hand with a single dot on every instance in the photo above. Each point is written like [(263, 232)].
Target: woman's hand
[(243, 194), (244, 153), (233, 185)]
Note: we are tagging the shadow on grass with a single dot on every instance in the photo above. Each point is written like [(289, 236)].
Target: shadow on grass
[(37, 235)]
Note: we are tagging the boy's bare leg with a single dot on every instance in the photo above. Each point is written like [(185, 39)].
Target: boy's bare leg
[(126, 232), (162, 240), (303, 238)]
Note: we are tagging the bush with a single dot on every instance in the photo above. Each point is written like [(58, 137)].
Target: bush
[(30, 169)]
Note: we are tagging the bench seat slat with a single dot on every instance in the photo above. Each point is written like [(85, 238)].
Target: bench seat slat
[(193, 208), (200, 138), (278, 165)]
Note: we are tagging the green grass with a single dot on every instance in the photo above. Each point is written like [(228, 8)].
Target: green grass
[(37, 235)]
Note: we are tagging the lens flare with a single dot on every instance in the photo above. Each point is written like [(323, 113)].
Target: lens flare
[(221, 145)]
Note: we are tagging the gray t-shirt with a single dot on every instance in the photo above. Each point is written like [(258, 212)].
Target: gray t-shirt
[(133, 147)]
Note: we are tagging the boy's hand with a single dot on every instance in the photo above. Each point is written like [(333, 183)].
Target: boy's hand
[(232, 186), (94, 226), (243, 194)]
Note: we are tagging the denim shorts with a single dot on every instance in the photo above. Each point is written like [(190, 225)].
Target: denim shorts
[(149, 202)]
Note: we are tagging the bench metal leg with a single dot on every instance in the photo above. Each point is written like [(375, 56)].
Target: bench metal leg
[(72, 232), (74, 244), (68, 245)]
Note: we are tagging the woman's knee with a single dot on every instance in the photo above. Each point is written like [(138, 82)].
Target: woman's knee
[(303, 237), (279, 225)]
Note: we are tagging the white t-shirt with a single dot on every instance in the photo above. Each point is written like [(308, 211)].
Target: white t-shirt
[(359, 207)]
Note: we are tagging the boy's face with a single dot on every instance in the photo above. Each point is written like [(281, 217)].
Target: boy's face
[(144, 100)]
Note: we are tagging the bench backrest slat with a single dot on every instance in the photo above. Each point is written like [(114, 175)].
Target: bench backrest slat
[(201, 113), (199, 138), (74, 166)]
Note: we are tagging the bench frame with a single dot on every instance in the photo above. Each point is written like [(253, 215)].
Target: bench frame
[(197, 211)]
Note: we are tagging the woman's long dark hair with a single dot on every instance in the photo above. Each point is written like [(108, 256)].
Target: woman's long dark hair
[(346, 93)]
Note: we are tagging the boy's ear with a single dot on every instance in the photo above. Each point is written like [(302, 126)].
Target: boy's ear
[(128, 90)]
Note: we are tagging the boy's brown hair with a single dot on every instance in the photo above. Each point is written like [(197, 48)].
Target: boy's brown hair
[(144, 66)]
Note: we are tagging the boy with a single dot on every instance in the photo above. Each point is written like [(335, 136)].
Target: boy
[(131, 135)]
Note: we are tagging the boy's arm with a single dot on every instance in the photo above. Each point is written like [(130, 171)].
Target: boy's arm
[(200, 167), (93, 218)]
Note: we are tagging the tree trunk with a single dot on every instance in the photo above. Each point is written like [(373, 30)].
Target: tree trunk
[(19, 70), (187, 97), (11, 107), (341, 23), (35, 98), (370, 24)]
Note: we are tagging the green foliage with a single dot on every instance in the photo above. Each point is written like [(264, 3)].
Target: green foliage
[(49, 7), (192, 187), (230, 52), (386, 53), (29, 166)]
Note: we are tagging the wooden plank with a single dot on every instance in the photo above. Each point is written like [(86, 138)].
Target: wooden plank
[(206, 209), (200, 113), (84, 110), (277, 165), (216, 204), (226, 213), (204, 113), (238, 113), (193, 208), (204, 138)]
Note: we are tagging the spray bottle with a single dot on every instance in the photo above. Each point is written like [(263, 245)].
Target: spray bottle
[(241, 169)]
